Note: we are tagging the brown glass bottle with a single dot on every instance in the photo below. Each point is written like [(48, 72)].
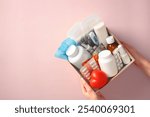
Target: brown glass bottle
[(111, 44)]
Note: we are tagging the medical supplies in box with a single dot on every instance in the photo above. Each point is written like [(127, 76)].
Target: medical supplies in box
[(96, 54)]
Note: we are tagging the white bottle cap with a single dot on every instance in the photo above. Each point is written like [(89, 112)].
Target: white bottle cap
[(72, 51), (121, 50), (105, 54), (110, 40)]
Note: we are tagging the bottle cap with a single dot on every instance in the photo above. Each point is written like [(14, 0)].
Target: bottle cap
[(72, 51), (104, 54), (121, 50), (110, 40)]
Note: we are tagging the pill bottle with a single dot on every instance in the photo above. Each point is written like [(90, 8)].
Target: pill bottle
[(111, 43), (77, 55), (125, 57), (107, 63)]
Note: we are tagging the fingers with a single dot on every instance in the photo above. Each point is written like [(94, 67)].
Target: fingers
[(101, 96), (127, 46), (131, 49), (89, 92), (82, 87), (86, 86), (137, 56)]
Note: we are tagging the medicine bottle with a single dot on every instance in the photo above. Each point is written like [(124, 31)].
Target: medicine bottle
[(107, 63), (111, 43), (125, 57), (77, 55)]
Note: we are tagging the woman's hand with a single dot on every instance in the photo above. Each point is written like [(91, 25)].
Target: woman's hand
[(140, 61), (89, 92)]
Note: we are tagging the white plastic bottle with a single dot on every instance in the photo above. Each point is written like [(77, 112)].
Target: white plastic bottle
[(101, 32), (125, 57), (107, 63), (77, 55)]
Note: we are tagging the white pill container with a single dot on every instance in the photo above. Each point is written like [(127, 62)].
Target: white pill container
[(77, 55), (107, 63)]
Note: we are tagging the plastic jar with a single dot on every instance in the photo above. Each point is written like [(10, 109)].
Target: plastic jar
[(77, 55), (107, 63)]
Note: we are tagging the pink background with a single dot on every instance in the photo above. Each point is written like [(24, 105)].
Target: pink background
[(31, 31)]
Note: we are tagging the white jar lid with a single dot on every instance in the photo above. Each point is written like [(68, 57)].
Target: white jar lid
[(105, 54), (110, 40), (72, 51)]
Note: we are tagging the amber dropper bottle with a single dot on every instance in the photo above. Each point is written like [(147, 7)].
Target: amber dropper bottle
[(112, 44)]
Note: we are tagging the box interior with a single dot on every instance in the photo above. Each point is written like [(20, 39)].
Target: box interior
[(123, 69)]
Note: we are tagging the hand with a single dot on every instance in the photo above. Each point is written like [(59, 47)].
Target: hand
[(138, 57), (89, 92), (140, 61)]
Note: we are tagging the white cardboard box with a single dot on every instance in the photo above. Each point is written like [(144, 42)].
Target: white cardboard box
[(80, 29), (123, 69)]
